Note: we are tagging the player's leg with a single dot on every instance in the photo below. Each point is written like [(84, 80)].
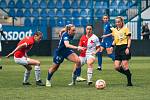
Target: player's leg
[(27, 74), (0, 60), (37, 70), (110, 53), (99, 55), (90, 61)]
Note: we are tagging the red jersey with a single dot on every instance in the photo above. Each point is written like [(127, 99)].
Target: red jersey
[(29, 43), (89, 43)]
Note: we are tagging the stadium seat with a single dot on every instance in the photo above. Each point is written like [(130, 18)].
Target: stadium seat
[(90, 13), (129, 3), (114, 12), (12, 13), (84, 22), (11, 4), (27, 4), (19, 4), (75, 13), (82, 4), (123, 12), (27, 13), (35, 22), (113, 4), (19, 13), (52, 22), (43, 22), (59, 4), (76, 22), (51, 13), (83, 13), (98, 4), (43, 4), (66, 4), (27, 22), (35, 13), (43, 13), (60, 22), (67, 13), (59, 13), (121, 4), (105, 4), (68, 21), (35, 4), (90, 4), (74, 4), (3, 4), (51, 4), (99, 13)]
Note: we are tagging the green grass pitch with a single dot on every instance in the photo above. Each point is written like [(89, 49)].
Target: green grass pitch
[(12, 74)]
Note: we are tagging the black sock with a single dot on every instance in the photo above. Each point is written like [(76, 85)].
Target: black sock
[(128, 74), (121, 70)]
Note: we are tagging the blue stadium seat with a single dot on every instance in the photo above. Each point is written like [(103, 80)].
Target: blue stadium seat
[(67, 13), (90, 4), (105, 4), (43, 13), (84, 22), (12, 13), (129, 3), (114, 12), (27, 13), (75, 13), (43, 22), (66, 4), (27, 4), (74, 4), (19, 13), (82, 4), (123, 12), (83, 13), (43, 4), (68, 21), (121, 5), (98, 4), (52, 22), (35, 13), (99, 13), (51, 13), (27, 22), (11, 4), (35, 22), (3, 4), (59, 13), (60, 22), (113, 4), (51, 4), (19, 4), (90, 13), (59, 4), (76, 22), (35, 4)]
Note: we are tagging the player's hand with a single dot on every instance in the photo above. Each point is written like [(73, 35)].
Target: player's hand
[(127, 51), (9, 55), (103, 36), (81, 48)]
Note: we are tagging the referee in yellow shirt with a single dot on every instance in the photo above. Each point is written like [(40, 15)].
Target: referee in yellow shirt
[(122, 42)]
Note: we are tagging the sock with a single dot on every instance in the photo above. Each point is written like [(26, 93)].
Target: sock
[(99, 54), (121, 70), (89, 74), (78, 71), (26, 76), (128, 74), (112, 56), (37, 73), (49, 75)]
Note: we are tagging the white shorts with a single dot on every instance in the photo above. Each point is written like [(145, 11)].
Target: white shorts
[(21, 61), (84, 59)]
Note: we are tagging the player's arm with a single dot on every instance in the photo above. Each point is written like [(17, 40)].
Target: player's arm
[(17, 48), (106, 35)]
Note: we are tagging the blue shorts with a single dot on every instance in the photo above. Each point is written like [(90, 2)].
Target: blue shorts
[(59, 57), (106, 44)]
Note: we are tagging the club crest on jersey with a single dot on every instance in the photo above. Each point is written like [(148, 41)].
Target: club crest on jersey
[(92, 42)]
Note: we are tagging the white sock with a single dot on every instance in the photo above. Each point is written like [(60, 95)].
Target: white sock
[(26, 76), (37, 73), (89, 74)]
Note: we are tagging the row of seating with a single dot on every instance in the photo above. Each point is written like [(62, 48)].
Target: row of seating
[(56, 22), (60, 13), (67, 4)]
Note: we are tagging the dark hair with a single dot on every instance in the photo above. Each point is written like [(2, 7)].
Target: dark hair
[(38, 33), (89, 25), (106, 15)]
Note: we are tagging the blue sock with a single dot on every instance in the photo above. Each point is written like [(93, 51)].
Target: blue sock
[(112, 56), (99, 54), (78, 71), (49, 76)]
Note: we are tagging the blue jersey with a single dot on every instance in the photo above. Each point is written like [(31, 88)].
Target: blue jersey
[(62, 51), (107, 30)]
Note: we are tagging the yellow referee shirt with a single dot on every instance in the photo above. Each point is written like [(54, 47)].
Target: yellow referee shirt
[(121, 35)]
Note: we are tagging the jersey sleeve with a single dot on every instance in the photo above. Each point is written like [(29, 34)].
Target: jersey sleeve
[(128, 33), (29, 41), (65, 38)]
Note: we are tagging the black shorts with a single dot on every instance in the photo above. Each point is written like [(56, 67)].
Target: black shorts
[(120, 53)]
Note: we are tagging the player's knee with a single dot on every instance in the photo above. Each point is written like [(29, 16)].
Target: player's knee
[(38, 63), (29, 68)]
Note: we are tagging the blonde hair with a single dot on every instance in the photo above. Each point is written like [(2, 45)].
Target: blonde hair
[(68, 27), (121, 19)]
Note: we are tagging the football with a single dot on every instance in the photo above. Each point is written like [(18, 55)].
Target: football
[(100, 84)]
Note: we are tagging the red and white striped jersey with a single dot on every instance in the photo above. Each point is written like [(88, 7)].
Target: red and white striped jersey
[(89, 43)]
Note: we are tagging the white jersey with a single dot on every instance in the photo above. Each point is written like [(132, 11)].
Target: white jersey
[(89, 43), (0, 42)]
